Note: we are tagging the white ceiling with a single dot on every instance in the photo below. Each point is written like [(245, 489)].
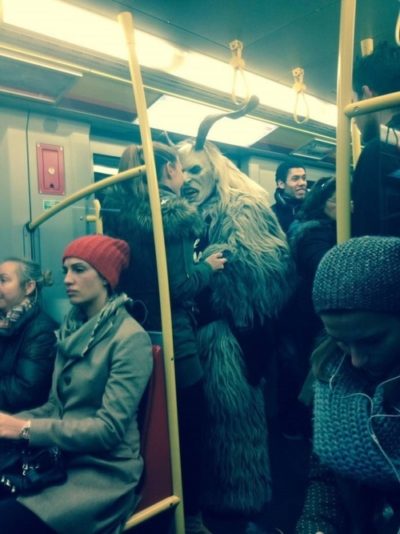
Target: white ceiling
[(278, 35)]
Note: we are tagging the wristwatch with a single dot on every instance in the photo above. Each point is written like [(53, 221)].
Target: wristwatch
[(25, 432)]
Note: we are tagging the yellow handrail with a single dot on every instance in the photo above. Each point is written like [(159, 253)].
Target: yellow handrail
[(375, 103), (344, 95), (126, 21), (367, 106), (96, 218), (86, 191), (150, 511)]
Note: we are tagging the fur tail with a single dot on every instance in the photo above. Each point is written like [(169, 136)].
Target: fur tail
[(237, 471)]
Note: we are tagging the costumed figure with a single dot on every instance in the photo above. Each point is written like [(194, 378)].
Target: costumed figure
[(236, 342)]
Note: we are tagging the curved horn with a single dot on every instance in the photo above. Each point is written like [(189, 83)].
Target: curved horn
[(208, 121), (168, 139)]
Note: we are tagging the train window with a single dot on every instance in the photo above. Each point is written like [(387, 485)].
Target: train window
[(103, 167)]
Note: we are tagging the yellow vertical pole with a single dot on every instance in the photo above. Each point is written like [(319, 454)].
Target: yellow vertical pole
[(344, 95), (126, 21)]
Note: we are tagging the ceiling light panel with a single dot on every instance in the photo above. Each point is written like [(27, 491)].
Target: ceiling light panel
[(69, 23), (182, 116), (315, 149), (34, 80)]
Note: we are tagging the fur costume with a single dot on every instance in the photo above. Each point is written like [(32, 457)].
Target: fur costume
[(248, 293)]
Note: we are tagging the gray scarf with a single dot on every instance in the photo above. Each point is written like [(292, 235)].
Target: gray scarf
[(75, 318)]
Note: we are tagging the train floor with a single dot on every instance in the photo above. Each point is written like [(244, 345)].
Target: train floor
[(289, 465)]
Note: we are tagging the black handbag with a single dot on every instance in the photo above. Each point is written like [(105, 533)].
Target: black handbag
[(25, 470)]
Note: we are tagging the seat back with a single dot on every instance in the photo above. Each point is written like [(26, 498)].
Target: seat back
[(157, 478)]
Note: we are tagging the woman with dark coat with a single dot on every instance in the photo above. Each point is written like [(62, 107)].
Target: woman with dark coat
[(102, 367), (310, 236), (127, 215), (27, 337)]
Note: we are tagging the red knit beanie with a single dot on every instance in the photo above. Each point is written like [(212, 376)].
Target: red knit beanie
[(107, 255)]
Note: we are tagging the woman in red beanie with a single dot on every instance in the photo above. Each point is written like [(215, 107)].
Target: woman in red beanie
[(102, 367)]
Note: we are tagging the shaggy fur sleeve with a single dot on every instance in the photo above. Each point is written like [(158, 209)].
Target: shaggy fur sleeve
[(257, 279)]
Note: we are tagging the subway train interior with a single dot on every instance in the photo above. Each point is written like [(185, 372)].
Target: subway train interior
[(68, 110), (55, 91)]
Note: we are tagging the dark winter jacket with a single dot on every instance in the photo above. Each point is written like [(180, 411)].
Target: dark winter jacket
[(132, 221), (309, 241), (285, 209), (27, 361), (376, 190)]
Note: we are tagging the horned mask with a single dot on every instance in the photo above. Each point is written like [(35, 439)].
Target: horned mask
[(207, 170)]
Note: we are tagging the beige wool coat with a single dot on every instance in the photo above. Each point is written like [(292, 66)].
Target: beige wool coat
[(92, 415)]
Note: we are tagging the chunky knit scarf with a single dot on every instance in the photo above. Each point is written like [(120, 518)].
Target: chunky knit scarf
[(75, 318), (353, 434), (10, 321)]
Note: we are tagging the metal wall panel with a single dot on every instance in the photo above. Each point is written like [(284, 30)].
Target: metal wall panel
[(14, 196), (51, 238)]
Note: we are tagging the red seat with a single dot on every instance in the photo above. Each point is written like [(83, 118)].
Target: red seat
[(157, 482)]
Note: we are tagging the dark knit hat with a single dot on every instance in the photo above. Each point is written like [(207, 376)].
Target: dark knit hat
[(361, 274), (107, 255)]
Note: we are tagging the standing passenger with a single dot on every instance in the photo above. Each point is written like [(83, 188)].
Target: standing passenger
[(27, 338), (376, 192), (354, 482), (291, 189), (310, 236), (126, 213), (102, 367)]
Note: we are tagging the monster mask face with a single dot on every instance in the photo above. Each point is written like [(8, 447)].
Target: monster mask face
[(200, 179), (201, 160)]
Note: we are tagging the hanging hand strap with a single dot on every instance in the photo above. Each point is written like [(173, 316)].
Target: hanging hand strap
[(238, 65), (299, 88)]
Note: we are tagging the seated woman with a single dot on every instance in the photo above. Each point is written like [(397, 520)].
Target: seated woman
[(102, 368), (27, 337), (355, 473)]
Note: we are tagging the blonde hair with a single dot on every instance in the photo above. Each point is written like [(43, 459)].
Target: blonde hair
[(230, 178), (31, 271)]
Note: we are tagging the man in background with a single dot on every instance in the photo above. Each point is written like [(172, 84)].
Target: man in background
[(376, 180), (291, 188)]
